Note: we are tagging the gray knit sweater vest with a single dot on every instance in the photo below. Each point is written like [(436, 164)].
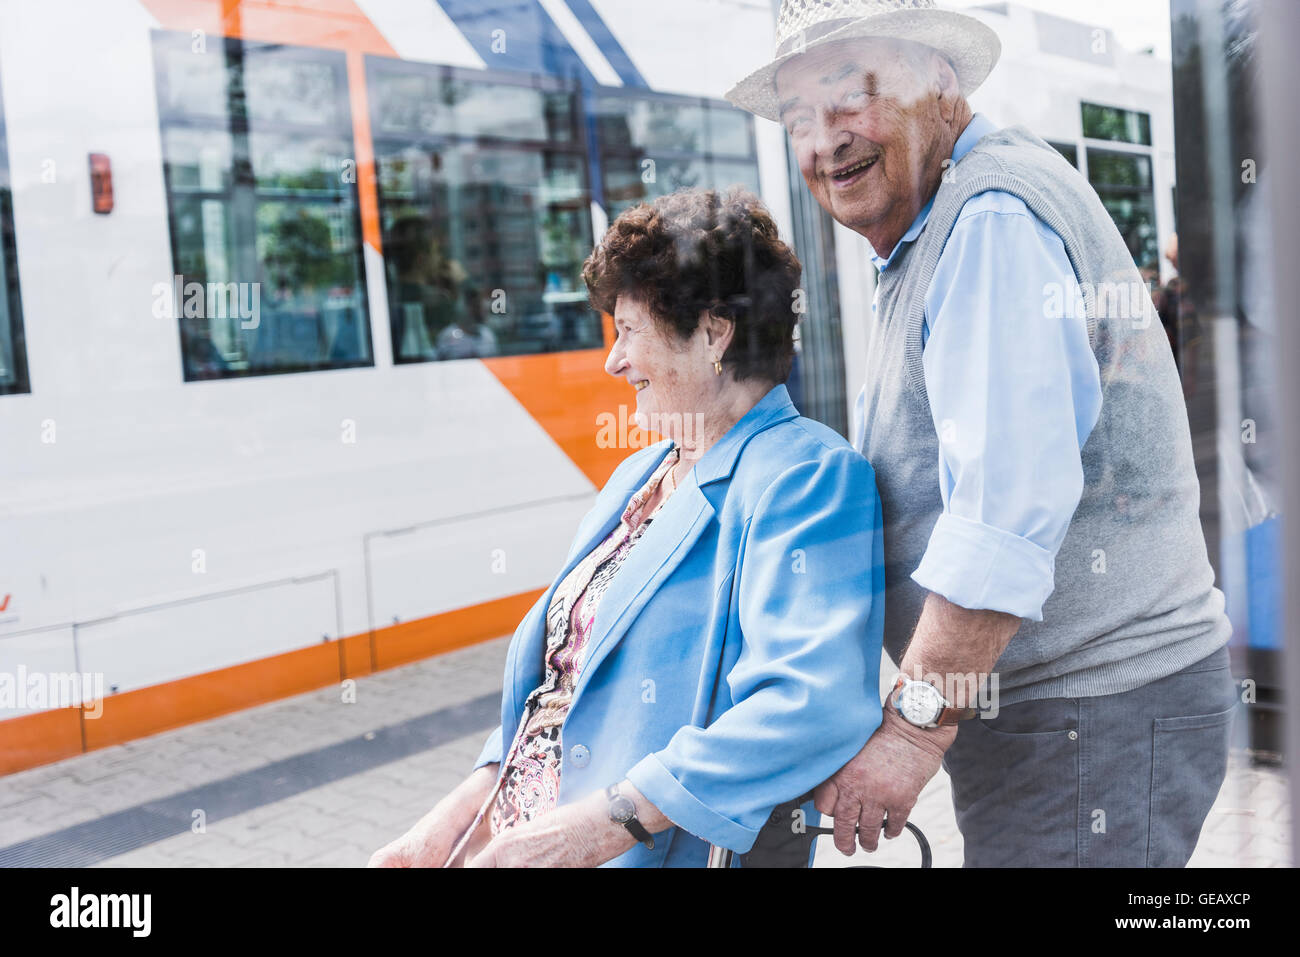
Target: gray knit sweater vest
[(1134, 596)]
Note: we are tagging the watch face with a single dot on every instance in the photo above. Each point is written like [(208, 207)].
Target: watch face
[(621, 809), (920, 702)]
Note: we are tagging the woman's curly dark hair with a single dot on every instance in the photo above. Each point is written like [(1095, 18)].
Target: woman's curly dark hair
[(696, 250)]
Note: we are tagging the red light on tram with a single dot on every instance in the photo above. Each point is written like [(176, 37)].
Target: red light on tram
[(101, 183)]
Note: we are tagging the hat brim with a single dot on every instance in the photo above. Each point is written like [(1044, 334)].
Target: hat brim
[(971, 46)]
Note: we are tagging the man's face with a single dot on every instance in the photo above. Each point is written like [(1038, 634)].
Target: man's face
[(867, 128)]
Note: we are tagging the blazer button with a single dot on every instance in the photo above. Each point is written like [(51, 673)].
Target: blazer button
[(579, 755)]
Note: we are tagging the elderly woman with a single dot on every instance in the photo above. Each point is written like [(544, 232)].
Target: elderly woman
[(710, 648)]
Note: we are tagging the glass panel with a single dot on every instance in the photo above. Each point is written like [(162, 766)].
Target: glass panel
[(655, 125), (201, 231), (295, 166), (1135, 216), (197, 160), (483, 241), (1123, 181), (402, 102), (264, 227), (1119, 169), (10, 323), (1228, 318), (195, 83), (733, 173), (284, 88), (729, 131), (630, 180), (13, 353), (650, 125), (313, 295), (408, 103), (640, 137), (1112, 123), (484, 249)]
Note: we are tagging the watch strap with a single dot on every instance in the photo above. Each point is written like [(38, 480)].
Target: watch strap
[(634, 826), (952, 715)]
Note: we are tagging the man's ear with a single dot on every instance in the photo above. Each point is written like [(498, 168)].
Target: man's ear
[(944, 85)]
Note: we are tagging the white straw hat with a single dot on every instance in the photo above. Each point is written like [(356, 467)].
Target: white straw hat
[(969, 45)]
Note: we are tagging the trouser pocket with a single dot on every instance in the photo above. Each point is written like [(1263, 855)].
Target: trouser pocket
[(1015, 785), (1188, 764)]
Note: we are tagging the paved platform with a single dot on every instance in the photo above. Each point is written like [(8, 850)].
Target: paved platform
[(314, 781)]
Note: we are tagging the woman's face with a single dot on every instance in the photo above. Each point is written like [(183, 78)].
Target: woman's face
[(674, 378)]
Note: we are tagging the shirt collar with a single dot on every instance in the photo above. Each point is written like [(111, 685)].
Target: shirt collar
[(978, 127)]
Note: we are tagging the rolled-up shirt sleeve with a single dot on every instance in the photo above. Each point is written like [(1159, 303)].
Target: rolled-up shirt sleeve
[(1014, 392), (804, 687)]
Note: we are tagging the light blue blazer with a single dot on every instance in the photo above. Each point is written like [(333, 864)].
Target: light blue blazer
[(733, 663)]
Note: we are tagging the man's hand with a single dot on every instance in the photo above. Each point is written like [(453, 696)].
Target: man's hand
[(884, 778), (887, 775)]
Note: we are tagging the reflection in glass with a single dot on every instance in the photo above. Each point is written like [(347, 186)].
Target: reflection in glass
[(444, 102), (651, 124), (1123, 181), (485, 212), (1112, 123), (653, 145), (291, 165), (290, 89), (1228, 190), (13, 352), (257, 142), (730, 131), (630, 180)]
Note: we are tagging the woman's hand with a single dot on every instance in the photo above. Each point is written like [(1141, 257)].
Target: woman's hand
[(573, 835), (430, 840)]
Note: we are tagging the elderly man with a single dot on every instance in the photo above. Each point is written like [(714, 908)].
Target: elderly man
[(1045, 565)]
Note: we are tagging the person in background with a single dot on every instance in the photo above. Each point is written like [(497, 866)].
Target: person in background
[(1178, 317), (424, 301)]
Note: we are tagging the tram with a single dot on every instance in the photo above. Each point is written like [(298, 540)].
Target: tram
[(298, 380)]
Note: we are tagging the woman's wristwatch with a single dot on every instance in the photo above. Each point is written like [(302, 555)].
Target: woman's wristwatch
[(623, 811)]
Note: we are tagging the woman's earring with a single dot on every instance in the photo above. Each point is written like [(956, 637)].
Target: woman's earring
[(717, 367)]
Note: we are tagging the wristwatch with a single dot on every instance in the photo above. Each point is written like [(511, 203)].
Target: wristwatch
[(623, 811), (922, 704)]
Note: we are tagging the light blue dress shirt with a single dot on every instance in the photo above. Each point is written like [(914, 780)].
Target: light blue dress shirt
[(1013, 394)]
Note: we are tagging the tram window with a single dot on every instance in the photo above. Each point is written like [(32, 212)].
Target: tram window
[(651, 145), (265, 230), (1123, 181), (440, 102), (485, 210), (13, 352)]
